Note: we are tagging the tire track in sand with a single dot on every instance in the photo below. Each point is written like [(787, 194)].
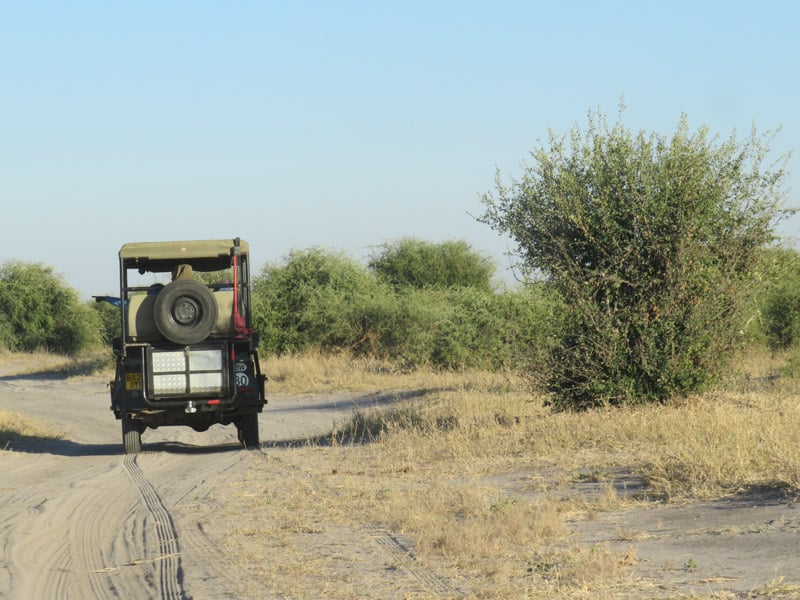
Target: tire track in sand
[(56, 529), (196, 503), (169, 560), (430, 582)]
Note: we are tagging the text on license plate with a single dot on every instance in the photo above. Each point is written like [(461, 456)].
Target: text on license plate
[(133, 381)]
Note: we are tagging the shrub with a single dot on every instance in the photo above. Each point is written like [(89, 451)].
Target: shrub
[(109, 318), (420, 264), (531, 325), (39, 311), (316, 299), (467, 328), (650, 241), (321, 300), (779, 301)]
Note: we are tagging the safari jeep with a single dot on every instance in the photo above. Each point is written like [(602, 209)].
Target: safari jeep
[(187, 352)]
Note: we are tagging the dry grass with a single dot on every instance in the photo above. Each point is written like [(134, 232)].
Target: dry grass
[(310, 373), (42, 362), (14, 427), (480, 479)]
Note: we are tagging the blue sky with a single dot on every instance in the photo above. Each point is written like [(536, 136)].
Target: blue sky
[(342, 124)]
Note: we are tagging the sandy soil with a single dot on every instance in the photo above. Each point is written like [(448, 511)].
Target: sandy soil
[(78, 519), (740, 547)]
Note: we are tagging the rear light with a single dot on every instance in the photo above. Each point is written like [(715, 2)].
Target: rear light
[(187, 371), (213, 402)]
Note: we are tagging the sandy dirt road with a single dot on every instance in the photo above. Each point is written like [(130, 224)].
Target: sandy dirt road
[(78, 519)]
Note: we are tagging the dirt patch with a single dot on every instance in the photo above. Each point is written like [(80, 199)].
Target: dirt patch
[(744, 546)]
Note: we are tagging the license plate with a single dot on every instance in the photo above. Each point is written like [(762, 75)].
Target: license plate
[(133, 381)]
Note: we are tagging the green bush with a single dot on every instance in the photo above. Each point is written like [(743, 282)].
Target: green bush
[(321, 300), (39, 311), (314, 299), (651, 242), (531, 323), (109, 318), (409, 326), (779, 300), (472, 328), (419, 264)]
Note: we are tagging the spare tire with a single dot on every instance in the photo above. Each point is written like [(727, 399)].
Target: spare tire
[(185, 312)]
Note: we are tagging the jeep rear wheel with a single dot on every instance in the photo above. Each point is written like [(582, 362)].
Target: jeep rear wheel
[(185, 312), (131, 436), (247, 428)]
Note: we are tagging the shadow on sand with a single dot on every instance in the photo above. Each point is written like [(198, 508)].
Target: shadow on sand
[(34, 445), (352, 408)]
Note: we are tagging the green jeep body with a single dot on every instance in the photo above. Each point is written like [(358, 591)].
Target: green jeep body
[(187, 352)]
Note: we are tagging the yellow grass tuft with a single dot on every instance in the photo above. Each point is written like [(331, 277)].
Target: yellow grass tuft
[(14, 426)]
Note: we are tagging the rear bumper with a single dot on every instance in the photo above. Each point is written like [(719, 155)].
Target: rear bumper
[(197, 386)]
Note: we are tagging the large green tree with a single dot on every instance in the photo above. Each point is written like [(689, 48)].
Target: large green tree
[(650, 240)]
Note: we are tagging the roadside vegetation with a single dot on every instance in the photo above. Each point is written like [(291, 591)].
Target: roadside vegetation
[(39, 311), (390, 310)]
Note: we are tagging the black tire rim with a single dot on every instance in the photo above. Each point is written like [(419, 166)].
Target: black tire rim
[(186, 311)]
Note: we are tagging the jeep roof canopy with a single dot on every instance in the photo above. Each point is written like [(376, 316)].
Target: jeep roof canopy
[(162, 257)]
